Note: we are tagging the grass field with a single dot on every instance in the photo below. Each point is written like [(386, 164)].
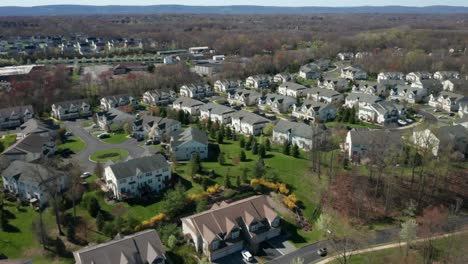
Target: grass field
[(359, 125), (116, 138), (109, 154), (72, 143), (8, 140)]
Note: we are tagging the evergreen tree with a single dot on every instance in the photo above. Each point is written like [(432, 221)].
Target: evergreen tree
[(243, 157), (93, 206), (221, 159), (71, 232), (238, 181), (286, 148), (194, 165), (261, 151), (228, 133), (244, 175), (220, 137), (100, 221), (267, 144), (227, 181), (259, 168), (242, 142), (249, 143), (254, 148), (295, 151)]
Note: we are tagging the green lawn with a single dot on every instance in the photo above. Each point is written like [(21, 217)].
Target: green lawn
[(109, 154), (72, 143), (116, 138), (8, 140), (359, 125)]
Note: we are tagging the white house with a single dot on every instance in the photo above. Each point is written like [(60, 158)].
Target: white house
[(185, 143), (369, 88), (228, 228), (463, 108), (216, 113), (71, 110), (15, 116), (415, 77), (114, 119), (311, 110), (116, 101), (225, 86), (359, 143), (295, 133), (138, 177), (409, 94), (32, 182), (198, 91), (276, 102), (383, 76), (446, 100), (446, 138), (282, 78), (382, 112), (453, 85), (157, 97), (243, 97), (324, 95), (310, 71), (154, 127), (360, 100), (292, 89), (444, 75), (345, 56), (336, 84), (248, 123), (188, 105), (353, 73), (258, 81)]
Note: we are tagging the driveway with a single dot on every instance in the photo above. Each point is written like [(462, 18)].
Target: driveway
[(93, 144)]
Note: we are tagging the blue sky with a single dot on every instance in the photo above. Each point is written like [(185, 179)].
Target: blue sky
[(240, 2)]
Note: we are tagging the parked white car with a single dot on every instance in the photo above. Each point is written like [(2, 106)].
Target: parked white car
[(246, 255)]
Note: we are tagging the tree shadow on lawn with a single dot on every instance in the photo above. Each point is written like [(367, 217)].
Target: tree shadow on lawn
[(186, 183), (291, 231)]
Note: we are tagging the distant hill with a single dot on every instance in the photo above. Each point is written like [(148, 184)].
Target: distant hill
[(59, 10)]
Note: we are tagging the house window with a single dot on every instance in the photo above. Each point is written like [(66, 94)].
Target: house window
[(122, 190), (150, 181), (254, 227), (235, 234), (215, 245), (148, 174)]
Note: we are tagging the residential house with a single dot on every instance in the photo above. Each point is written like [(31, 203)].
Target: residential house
[(188, 105), (292, 89), (225, 86), (283, 77), (324, 95), (207, 67), (32, 182), (216, 113), (463, 108), (258, 81), (383, 76), (311, 71), (361, 55), (185, 143), (248, 123), (453, 85), (115, 101), (141, 247), (276, 103), (446, 139), (360, 143), (197, 91), (71, 110), (382, 112), (114, 119), (353, 73), (15, 116), (445, 75), (345, 56), (446, 100), (35, 140), (360, 100), (369, 88), (157, 97), (463, 121), (154, 127), (138, 177), (336, 84), (311, 110), (229, 228), (409, 94), (295, 133), (416, 77), (431, 86), (243, 97)]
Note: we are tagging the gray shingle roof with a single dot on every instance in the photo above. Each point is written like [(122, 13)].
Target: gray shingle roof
[(217, 109), (296, 129), (362, 97), (142, 247), (26, 172), (129, 168), (293, 86), (249, 118), (189, 134), (187, 102)]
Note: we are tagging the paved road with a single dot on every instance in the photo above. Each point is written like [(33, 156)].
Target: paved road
[(93, 144), (309, 252), (393, 245)]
